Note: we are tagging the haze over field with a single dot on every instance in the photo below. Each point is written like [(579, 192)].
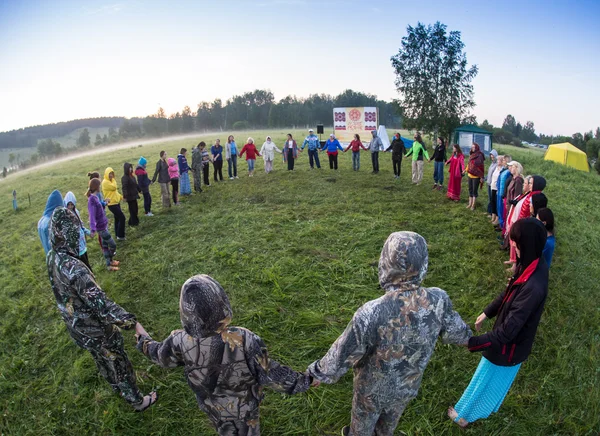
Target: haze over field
[(70, 60)]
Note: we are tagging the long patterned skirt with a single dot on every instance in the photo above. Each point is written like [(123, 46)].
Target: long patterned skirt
[(184, 184), (487, 390)]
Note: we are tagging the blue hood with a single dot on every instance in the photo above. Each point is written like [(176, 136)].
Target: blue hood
[(54, 200)]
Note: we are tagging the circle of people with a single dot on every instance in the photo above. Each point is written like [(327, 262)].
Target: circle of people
[(389, 340)]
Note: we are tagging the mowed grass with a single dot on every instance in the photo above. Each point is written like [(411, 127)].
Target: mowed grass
[(297, 254)]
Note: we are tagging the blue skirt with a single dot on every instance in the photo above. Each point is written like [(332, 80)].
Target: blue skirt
[(487, 390), (184, 184)]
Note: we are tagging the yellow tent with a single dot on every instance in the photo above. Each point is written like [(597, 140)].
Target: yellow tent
[(569, 155)]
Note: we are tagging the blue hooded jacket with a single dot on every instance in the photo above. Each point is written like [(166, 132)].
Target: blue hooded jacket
[(54, 200)]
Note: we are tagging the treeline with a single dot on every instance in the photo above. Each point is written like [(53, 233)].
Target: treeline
[(251, 110), (258, 109), (29, 136)]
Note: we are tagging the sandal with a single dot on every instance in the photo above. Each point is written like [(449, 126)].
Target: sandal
[(113, 268), (152, 398), (453, 415)]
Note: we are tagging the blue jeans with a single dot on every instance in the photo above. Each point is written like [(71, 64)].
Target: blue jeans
[(438, 172), (232, 165), (251, 164), (314, 154), (356, 160)]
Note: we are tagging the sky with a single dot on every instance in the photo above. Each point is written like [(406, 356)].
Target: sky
[(63, 60)]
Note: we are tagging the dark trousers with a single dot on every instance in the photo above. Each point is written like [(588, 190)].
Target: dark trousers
[(175, 190), (232, 166), (397, 164), (333, 161), (494, 202), (133, 213), (313, 155), (375, 161), (147, 202), (206, 174), (473, 187), (84, 258), (119, 220), (290, 159), (218, 169)]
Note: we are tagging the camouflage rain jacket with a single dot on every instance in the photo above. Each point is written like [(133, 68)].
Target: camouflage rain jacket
[(90, 316), (225, 366), (390, 340)]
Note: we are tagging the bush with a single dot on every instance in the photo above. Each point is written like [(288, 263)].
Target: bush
[(241, 125), (517, 142)]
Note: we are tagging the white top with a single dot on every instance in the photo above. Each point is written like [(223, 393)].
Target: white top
[(495, 176), (268, 150)]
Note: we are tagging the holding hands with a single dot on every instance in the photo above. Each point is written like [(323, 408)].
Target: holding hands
[(479, 321)]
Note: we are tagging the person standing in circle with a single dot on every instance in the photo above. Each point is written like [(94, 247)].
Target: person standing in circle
[(355, 145), (112, 195), (93, 321), (231, 156), (197, 167), (518, 311), (268, 150), (332, 146), (398, 150), (375, 146), (217, 158), (475, 174), (184, 177), (456, 172), (290, 153), (314, 145), (418, 151), (131, 192), (251, 152), (439, 158), (162, 172)]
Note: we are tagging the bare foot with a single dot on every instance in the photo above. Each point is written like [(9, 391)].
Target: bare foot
[(453, 415), (508, 262)]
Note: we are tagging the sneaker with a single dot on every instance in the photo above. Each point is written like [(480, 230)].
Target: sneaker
[(121, 239), (231, 178), (346, 430), (149, 214), (236, 177), (434, 186)]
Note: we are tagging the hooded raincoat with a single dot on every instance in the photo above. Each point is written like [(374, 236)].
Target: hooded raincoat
[(70, 198), (390, 340), (54, 200), (91, 318), (226, 367), (109, 188)]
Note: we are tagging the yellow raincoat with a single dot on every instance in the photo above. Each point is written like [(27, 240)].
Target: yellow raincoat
[(109, 188)]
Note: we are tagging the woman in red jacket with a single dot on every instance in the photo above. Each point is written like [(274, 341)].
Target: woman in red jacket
[(251, 153), (518, 311)]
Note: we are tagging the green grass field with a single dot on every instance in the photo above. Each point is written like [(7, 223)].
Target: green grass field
[(297, 254)]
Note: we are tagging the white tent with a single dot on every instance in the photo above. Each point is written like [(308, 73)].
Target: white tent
[(385, 139)]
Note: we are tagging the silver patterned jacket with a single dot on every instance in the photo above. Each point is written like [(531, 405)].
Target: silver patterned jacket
[(390, 340)]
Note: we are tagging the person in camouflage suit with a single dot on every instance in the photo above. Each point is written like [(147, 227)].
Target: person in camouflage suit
[(197, 167), (226, 367), (391, 339), (91, 318)]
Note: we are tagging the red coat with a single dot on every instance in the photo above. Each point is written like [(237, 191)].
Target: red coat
[(250, 150)]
